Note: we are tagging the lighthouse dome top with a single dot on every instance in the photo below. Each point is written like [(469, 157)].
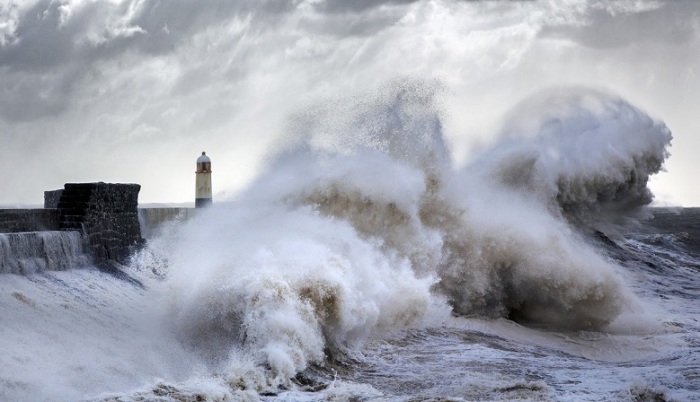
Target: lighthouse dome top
[(203, 158)]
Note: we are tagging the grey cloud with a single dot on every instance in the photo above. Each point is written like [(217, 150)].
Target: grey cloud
[(169, 22), (674, 22), (41, 68), (28, 96), (23, 101), (344, 18), (343, 6), (40, 44), (45, 42), (355, 24)]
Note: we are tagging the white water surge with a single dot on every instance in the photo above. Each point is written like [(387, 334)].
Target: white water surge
[(362, 229), (29, 252), (361, 226)]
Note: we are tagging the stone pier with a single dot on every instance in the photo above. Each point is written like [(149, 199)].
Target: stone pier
[(106, 214), (104, 217)]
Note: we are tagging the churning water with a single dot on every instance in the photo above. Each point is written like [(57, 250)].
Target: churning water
[(364, 264)]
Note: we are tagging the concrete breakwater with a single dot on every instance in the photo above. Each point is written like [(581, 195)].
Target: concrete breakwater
[(81, 224)]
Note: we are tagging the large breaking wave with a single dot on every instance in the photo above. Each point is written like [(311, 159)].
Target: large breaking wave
[(362, 225)]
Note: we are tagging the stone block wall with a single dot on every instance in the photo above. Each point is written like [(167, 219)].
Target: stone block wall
[(28, 220), (104, 216), (52, 197), (106, 213)]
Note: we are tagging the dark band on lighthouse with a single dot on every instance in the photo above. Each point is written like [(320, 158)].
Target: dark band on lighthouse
[(203, 182)]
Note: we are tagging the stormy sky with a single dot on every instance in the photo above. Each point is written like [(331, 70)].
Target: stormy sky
[(134, 90)]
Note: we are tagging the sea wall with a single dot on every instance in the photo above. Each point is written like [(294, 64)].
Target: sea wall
[(28, 220), (52, 197), (83, 223), (106, 214), (153, 220)]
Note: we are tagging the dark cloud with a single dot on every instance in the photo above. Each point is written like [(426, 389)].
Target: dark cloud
[(675, 22), (40, 44), (344, 6), (45, 39), (53, 48)]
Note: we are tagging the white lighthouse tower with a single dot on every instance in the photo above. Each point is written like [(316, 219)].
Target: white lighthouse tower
[(203, 185)]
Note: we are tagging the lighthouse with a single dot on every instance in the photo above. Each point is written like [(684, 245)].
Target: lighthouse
[(203, 184)]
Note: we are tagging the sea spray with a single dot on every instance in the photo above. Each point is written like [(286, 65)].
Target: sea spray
[(282, 286), (586, 153), (361, 226), (494, 230), (568, 161)]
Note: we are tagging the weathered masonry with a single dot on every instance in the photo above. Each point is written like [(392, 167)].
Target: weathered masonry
[(105, 215), (81, 224), (28, 220)]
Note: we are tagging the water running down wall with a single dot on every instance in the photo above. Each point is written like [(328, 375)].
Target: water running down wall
[(30, 252), (26, 248), (82, 224)]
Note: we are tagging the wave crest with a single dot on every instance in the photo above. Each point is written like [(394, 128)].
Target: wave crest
[(587, 152), (361, 225)]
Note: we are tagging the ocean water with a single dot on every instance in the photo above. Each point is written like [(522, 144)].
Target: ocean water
[(366, 264)]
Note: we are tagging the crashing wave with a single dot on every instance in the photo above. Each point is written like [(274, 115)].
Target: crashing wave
[(362, 225)]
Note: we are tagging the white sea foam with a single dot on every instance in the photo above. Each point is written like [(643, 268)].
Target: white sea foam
[(279, 286), (361, 226), (71, 335), (589, 152)]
